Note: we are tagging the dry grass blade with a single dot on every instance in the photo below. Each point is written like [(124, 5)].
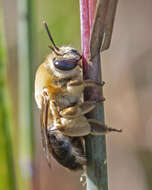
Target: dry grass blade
[(102, 26)]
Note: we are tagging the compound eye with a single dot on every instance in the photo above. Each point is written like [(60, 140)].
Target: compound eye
[(65, 65)]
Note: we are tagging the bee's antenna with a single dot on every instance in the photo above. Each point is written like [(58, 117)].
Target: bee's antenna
[(49, 34), (54, 51)]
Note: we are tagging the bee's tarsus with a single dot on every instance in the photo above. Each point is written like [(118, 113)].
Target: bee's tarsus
[(101, 100), (115, 130)]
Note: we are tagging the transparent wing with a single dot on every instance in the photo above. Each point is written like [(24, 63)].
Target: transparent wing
[(44, 132)]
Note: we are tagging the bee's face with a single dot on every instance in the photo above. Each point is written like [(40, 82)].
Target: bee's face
[(66, 63)]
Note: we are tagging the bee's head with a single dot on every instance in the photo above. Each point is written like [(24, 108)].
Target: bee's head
[(67, 60), (64, 58)]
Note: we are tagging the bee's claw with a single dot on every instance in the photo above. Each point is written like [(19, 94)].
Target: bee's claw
[(103, 83), (83, 179)]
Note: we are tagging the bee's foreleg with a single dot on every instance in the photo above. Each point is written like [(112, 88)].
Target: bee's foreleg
[(54, 110), (70, 112), (99, 128), (92, 83), (80, 109), (84, 83), (53, 107)]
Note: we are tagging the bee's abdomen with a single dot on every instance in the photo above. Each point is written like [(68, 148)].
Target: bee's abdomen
[(62, 151), (68, 161)]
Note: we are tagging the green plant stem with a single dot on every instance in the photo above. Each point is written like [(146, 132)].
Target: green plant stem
[(99, 36), (95, 146)]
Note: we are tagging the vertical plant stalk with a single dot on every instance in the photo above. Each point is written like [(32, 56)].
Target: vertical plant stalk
[(7, 171), (85, 32), (98, 33), (26, 139)]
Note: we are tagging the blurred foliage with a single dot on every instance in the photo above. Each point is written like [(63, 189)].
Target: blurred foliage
[(7, 173), (25, 92), (145, 157), (63, 21), (130, 35)]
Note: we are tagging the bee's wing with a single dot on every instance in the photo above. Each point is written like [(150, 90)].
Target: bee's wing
[(44, 132)]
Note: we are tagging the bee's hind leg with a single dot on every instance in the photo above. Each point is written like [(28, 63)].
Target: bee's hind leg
[(99, 128)]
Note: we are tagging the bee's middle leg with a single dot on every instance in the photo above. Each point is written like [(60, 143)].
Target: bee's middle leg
[(80, 109)]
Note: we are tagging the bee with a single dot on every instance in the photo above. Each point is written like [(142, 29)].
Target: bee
[(59, 88)]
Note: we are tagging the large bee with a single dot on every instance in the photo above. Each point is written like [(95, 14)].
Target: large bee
[(59, 87)]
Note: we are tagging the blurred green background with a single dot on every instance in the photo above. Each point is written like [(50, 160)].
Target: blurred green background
[(126, 69)]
